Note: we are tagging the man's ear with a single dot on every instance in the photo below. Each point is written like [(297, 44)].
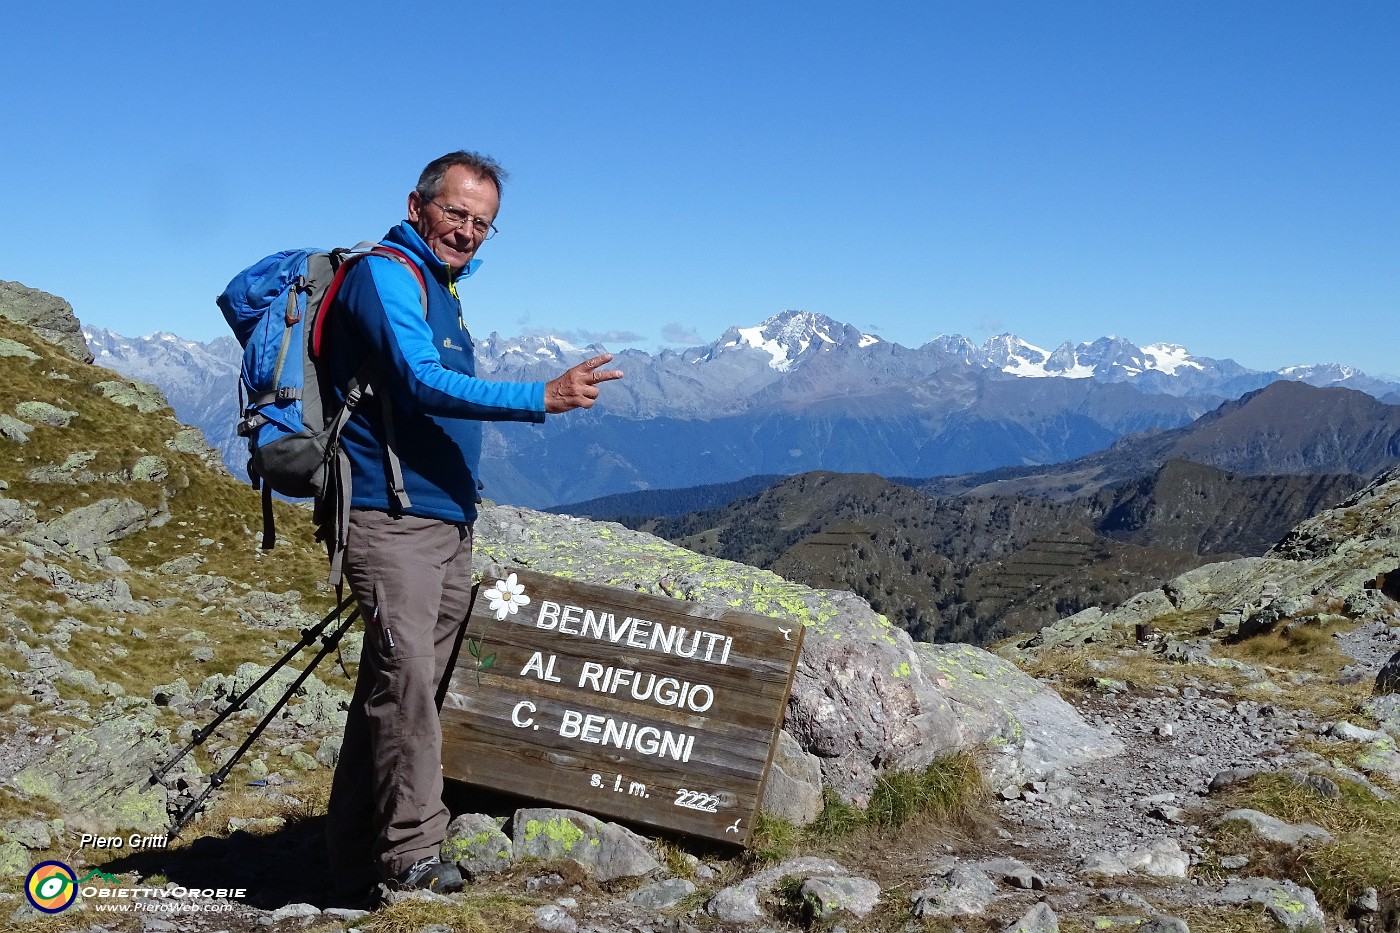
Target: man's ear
[(415, 205)]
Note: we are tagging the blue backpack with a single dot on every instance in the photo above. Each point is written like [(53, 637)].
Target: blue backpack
[(279, 309)]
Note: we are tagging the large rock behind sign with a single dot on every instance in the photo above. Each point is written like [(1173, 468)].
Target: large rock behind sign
[(48, 315), (864, 698)]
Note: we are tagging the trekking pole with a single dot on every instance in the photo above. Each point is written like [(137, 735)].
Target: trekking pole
[(308, 635), (328, 644)]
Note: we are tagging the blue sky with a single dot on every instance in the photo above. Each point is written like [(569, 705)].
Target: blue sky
[(1223, 175)]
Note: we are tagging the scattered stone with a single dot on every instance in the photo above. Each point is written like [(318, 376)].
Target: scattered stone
[(328, 752), (555, 919), (1386, 707), (826, 897), (739, 903), (346, 915), (1276, 830), (292, 912), (176, 693), (257, 825), (13, 349), (1162, 858), (12, 429), (83, 530), (103, 773), (960, 890), (1319, 784), (428, 897), (1294, 907), (1367, 902), (16, 518), (1039, 919), (44, 413), (1186, 652), (662, 894), (1164, 924), (476, 845), (15, 859)]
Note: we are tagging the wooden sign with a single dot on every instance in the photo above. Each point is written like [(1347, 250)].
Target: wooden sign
[(649, 710)]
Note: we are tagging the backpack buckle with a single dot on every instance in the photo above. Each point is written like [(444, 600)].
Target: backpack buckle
[(288, 393), (250, 424)]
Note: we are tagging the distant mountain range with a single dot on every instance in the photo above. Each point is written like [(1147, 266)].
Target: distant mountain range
[(979, 568), (977, 557), (795, 393)]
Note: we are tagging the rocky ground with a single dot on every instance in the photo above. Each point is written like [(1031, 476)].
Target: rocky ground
[(1132, 839)]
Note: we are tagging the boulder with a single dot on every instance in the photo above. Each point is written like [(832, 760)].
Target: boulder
[(47, 315), (1293, 907), (958, 890), (1028, 728), (13, 349), (1039, 919), (85, 529), (1276, 830), (662, 894), (794, 789), (824, 899), (476, 845), (16, 518), (605, 850), (142, 396), (44, 413), (103, 772), (12, 429)]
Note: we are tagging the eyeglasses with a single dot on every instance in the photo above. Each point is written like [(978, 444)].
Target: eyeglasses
[(458, 217)]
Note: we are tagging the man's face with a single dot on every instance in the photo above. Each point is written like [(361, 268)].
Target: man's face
[(463, 192)]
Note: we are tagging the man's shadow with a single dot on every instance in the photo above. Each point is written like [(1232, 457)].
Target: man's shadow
[(288, 865), (285, 866)]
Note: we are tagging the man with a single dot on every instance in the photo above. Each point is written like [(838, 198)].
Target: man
[(407, 556)]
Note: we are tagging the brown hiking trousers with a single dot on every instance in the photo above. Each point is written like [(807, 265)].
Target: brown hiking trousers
[(412, 579)]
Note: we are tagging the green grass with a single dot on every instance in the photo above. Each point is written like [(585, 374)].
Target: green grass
[(1363, 853), (948, 792)]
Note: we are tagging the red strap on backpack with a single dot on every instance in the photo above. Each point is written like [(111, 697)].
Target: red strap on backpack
[(387, 252)]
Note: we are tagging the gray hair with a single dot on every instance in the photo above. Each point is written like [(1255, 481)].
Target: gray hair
[(430, 182)]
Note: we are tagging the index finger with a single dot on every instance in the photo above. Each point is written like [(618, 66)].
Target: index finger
[(589, 365)]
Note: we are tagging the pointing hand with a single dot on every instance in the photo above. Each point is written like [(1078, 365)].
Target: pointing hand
[(578, 388)]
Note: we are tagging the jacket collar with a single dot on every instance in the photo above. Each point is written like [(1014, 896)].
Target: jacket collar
[(406, 237)]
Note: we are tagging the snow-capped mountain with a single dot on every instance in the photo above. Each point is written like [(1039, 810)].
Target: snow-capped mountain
[(793, 337), (796, 392)]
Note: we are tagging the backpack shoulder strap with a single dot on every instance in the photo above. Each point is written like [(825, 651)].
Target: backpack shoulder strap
[(335, 512), (318, 334)]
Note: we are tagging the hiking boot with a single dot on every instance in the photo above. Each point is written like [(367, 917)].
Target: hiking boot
[(429, 874)]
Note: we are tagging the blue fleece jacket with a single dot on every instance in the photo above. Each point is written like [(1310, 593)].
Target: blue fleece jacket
[(429, 371)]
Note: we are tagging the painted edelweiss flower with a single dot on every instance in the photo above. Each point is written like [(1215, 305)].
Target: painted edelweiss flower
[(507, 596)]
